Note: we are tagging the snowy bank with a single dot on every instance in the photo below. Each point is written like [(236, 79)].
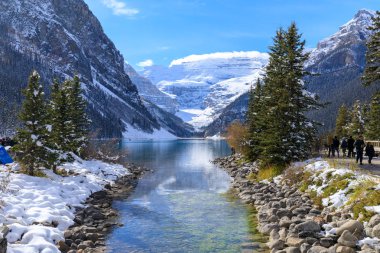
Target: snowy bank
[(38, 210)]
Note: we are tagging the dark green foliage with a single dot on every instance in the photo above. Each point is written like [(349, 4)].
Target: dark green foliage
[(58, 117), (77, 123), (356, 125), (280, 129), (254, 116), (32, 138), (372, 131), (51, 131), (372, 71), (342, 121)]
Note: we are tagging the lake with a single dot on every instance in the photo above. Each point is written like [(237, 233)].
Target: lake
[(184, 205)]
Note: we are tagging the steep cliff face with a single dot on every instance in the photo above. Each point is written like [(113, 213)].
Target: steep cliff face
[(339, 61), (150, 92), (61, 38)]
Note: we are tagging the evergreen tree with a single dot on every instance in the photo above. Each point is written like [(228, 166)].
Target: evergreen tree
[(342, 121), (288, 134), (77, 122), (31, 138), (372, 69), (356, 126), (373, 120), (254, 115), (59, 129)]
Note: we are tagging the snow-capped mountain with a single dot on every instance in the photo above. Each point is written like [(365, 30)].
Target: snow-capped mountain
[(353, 32), (63, 38), (339, 60), (203, 85), (150, 92)]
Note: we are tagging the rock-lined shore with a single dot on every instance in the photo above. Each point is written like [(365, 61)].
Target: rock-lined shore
[(98, 218), (292, 221)]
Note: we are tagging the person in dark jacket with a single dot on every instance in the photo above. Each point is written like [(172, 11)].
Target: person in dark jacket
[(350, 147), (343, 146), (370, 152), (336, 144), (359, 146)]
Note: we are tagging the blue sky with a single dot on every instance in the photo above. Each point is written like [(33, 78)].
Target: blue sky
[(158, 31)]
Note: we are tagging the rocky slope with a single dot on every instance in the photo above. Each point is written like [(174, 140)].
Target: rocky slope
[(203, 85), (150, 92), (339, 60), (235, 111), (63, 38)]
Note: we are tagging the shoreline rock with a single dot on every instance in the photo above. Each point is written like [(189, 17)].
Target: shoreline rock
[(290, 218), (97, 219)]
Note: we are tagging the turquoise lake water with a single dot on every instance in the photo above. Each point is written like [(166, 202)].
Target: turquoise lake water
[(184, 205)]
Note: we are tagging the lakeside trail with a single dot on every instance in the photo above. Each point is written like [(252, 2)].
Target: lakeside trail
[(70, 212), (313, 207), (374, 167)]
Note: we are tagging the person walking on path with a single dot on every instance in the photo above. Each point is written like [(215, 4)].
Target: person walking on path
[(343, 146), (370, 152), (336, 144), (350, 147), (359, 146)]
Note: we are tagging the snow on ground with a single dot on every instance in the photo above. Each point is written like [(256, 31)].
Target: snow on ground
[(323, 173), (31, 204), (135, 134)]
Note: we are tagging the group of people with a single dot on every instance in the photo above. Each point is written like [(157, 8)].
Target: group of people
[(6, 141), (348, 147)]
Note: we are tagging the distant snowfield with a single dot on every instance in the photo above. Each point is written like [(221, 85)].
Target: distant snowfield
[(135, 134), (203, 85), (28, 202)]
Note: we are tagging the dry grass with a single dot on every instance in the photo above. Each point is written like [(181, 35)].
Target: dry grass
[(343, 163), (269, 172), (361, 196)]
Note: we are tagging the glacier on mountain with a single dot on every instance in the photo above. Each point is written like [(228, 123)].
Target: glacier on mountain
[(203, 85)]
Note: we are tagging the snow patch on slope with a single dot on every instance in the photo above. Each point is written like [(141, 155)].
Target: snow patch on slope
[(158, 134)]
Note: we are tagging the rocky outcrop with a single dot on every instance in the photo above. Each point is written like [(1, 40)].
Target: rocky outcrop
[(150, 92), (98, 218), (292, 221)]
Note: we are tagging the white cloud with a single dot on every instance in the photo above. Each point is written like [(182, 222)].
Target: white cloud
[(120, 8), (219, 55), (146, 63)]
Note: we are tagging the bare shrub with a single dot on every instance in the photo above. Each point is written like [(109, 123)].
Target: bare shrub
[(105, 150), (236, 137)]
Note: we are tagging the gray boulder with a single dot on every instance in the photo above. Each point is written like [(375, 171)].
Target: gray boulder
[(344, 249), (375, 231), (354, 226), (308, 226), (375, 220), (305, 247), (317, 249), (276, 244), (347, 239), (292, 250)]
